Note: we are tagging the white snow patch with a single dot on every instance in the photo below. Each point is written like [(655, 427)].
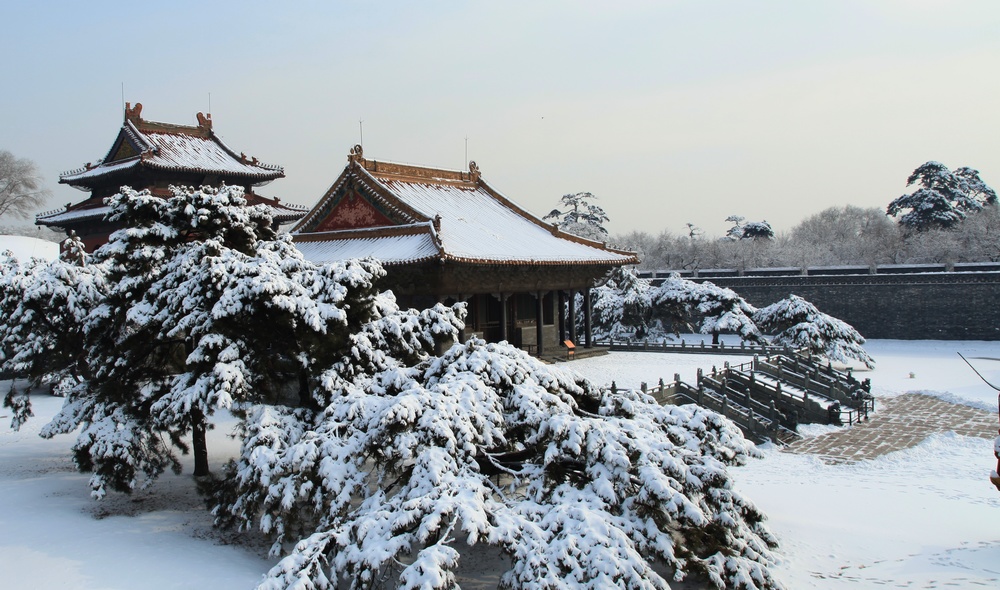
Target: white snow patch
[(26, 248)]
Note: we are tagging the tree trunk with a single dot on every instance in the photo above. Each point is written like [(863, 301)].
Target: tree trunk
[(715, 338), (199, 443)]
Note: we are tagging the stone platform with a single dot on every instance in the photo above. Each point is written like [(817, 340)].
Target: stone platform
[(898, 423)]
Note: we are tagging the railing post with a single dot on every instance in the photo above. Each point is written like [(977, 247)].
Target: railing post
[(642, 386), (700, 376), (773, 412), (614, 388)]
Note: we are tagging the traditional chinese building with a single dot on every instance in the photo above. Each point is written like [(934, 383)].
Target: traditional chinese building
[(152, 155), (446, 235)]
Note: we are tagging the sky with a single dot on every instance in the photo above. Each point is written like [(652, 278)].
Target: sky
[(669, 112)]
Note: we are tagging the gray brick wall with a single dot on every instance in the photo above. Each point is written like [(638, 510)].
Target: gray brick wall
[(936, 306)]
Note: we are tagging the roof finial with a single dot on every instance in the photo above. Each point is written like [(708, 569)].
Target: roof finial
[(133, 113), (473, 171), (357, 153), (205, 121)]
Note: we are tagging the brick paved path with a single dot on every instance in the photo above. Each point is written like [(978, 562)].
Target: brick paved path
[(898, 423)]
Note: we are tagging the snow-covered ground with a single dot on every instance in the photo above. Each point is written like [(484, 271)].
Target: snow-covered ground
[(921, 518), (25, 248), (925, 517)]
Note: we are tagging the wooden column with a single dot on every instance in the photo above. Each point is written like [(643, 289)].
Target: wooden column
[(561, 314), (588, 324), (539, 318), (572, 316), (503, 317)]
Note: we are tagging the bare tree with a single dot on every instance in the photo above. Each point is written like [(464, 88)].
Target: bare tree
[(21, 192)]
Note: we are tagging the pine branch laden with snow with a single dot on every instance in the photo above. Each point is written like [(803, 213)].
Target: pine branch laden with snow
[(722, 310), (579, 488), (42, 310), (621, 306), (797, 323), (579, 216), (713, 309), (943, 199), (193, 311)]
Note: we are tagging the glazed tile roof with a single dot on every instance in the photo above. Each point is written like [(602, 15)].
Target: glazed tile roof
[(174, 148), (472, 222), (92, 209), (391, 245)]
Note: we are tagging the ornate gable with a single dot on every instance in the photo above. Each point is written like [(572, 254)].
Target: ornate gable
[(124, 150), (349, 209)]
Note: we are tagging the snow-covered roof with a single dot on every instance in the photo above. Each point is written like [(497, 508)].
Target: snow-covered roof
[(87, 210), (391, 245), (471, 222), (168, 147)]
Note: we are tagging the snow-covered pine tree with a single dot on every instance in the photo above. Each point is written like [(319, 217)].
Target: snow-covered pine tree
[(797, 323), (204, 310), (710, 309), (943, 198), (723, 310), (621, 306), (579, 488), (673, 303), (757, 230), (44, 307), (579, 216)]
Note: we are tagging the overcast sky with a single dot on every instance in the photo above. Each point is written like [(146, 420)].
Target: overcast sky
[(669, 112)]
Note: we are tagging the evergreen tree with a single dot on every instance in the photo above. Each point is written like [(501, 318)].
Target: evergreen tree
[(204, 310), (43, 307), (577, 487), (710, 309), (579, 216), (797, 323), (943, 199), (621, 306), (723, 310)]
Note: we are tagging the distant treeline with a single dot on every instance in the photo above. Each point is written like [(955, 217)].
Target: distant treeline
[(847, 235)]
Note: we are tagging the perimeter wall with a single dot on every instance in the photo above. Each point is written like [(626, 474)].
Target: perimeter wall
[(889, 303)]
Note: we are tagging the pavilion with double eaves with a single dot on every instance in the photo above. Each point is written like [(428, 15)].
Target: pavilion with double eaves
[(446, 235), (152, 155)]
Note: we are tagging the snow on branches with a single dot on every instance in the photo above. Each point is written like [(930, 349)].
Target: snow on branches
[(579, 488), (943, 199), (628, 306), (194, 307), (43, 307), (797, 323), (580, 216)]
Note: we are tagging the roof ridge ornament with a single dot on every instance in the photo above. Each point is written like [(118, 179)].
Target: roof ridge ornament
[(204, 121), (356, 153), (474, 173), (133, 113)]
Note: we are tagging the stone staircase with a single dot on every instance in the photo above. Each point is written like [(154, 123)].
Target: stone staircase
[(768, 397)]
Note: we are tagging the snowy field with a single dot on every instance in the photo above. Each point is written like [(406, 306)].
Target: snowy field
[(921, 518), (25, 248)]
